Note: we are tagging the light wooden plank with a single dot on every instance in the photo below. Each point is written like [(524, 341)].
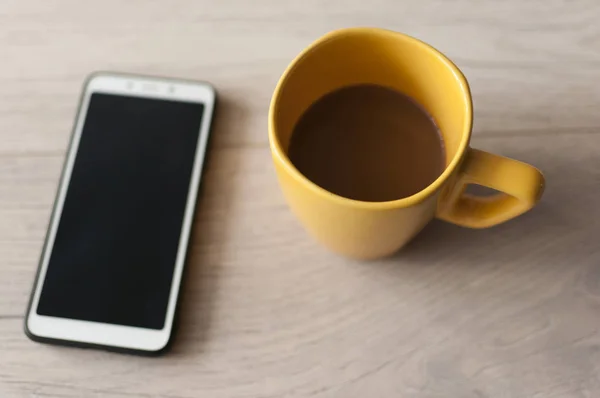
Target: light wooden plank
[(510, 312)]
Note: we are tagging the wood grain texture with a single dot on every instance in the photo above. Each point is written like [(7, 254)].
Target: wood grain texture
[(509, 312)]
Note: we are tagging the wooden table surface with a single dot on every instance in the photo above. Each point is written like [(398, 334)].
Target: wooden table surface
[(512, 311)]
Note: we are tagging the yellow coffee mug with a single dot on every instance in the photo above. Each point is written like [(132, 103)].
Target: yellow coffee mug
[(375, 229)]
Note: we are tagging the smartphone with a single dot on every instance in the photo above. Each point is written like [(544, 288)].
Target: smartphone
[(112, 262)]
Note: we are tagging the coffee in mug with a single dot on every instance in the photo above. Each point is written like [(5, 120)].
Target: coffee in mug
[(368, 142)]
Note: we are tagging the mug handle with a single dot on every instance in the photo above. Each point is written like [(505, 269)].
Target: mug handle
[(520, 187)]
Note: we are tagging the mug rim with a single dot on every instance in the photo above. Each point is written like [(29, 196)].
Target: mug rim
[(422, 195)]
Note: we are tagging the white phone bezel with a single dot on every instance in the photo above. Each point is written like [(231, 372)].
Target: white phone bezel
[(104, 334)]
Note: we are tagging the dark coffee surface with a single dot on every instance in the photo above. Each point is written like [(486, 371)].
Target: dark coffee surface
[(368, 143)]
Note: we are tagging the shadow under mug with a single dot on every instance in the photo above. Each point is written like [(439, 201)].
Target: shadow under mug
[(375, 229)]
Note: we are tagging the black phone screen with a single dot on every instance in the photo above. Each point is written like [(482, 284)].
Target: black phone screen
[(115, 248)]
